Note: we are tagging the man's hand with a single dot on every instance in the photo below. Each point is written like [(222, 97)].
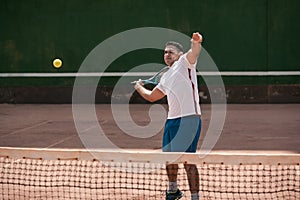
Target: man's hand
[(138, 84), (197, 37)]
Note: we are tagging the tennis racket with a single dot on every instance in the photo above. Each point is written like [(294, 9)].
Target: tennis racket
[(155, 78)]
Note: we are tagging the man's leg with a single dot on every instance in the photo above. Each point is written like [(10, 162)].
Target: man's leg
[(193, 179), (172, 170), (173, 193)]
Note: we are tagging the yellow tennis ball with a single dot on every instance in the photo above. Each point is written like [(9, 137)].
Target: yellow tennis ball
[(57, 63)]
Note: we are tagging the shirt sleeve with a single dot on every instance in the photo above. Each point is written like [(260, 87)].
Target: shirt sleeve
[(188, 64), (161, 88)]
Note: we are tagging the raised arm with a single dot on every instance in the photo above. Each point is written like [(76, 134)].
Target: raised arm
[(194, 52)]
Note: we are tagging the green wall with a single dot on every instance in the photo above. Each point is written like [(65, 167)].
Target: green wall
[(240, 35)]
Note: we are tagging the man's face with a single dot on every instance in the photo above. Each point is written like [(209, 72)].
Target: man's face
[(171, 55)]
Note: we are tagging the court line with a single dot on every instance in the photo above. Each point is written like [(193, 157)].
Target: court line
[(119, 74), (69, 137), (60, 141), (26, 128)]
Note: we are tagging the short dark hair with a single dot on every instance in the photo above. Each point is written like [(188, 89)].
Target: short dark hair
[(177, 45)]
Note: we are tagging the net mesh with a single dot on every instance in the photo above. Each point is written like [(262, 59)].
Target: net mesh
[(76, 178)]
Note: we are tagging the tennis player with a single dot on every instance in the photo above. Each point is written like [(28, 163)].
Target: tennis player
[(183, 126)]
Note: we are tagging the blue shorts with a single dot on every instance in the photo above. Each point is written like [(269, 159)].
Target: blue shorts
[(182, 134)]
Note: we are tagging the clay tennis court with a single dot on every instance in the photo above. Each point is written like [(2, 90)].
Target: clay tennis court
[(263, 137), (248, 127)]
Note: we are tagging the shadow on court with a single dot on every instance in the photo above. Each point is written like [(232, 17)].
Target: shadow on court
[(248, 127)]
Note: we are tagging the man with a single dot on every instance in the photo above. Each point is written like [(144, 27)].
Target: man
[(183, 126)]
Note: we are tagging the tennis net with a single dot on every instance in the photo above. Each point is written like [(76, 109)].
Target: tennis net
[(102, 174)]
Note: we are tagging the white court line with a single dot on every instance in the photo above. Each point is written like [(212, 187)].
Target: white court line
[(60, 141), (251, 73), (69, 137), (119, 74), (81, 74), (26, 128)]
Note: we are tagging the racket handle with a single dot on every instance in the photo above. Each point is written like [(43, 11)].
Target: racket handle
[(134, 82)]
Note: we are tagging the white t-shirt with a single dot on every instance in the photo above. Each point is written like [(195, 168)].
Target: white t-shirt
[(179, 83)]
